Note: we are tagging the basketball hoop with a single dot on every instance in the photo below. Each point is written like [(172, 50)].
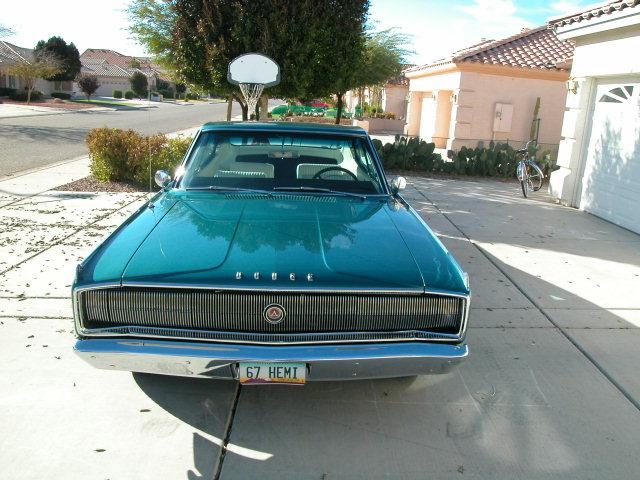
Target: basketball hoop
[(251, 93), (253, 72)]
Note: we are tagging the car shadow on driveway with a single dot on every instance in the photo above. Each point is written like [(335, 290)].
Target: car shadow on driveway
[(518, 403), (199, 402)]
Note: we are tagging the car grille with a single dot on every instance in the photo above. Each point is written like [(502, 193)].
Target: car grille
[(226, 315)]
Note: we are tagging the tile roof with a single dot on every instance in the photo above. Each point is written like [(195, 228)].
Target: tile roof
[(96, 57), (593, 12), (105, 70), (538, 48), (10, 53)]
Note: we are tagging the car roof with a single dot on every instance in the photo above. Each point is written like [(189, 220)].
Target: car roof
[(286, 127)]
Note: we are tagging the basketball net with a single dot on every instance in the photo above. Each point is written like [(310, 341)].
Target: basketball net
[(251, 93)]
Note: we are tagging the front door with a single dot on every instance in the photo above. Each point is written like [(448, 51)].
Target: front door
[(428, 117)]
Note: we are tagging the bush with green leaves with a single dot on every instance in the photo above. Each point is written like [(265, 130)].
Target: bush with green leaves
[(126, 155), (408, 154), (129, 95), (61, 95), (117, 94), (167, 93), (496, 160), (22, 95), (7, 91)]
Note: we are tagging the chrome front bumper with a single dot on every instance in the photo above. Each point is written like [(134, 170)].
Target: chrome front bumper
[(325, 362)]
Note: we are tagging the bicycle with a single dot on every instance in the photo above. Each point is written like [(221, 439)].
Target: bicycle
[(529, 173)]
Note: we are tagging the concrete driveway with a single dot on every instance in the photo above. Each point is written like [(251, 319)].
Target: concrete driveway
[(550, 390)]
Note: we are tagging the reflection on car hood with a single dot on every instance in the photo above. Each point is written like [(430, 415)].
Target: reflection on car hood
[(203, 238)]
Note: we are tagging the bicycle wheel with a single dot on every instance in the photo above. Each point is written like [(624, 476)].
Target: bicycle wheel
[(534, 176), (522, 177)]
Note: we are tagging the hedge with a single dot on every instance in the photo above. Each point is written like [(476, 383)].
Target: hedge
[(124, 155), (61, 95), (167, 93), (21, 96), (117, 94), (408, 154), (496, 160), (129, 95), (7, 91)]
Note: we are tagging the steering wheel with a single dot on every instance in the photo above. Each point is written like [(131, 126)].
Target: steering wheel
[(329, 169)]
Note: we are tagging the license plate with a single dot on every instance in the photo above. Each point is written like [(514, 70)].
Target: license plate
[(265, 373)]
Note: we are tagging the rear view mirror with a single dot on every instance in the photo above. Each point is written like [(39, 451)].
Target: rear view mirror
[(162, 178), (397, 184)]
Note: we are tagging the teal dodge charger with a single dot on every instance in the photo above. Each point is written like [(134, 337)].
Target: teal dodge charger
[(278, 253)]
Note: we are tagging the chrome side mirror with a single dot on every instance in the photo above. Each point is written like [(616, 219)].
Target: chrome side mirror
[(162, 178), (397, 184)]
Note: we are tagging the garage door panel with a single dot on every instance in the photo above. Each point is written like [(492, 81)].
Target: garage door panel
[(611, 180)]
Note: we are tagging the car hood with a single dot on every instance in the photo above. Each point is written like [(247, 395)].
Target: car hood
[(344, 243)]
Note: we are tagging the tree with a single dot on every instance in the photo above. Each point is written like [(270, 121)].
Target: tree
[(43, 65), (139, 84), (315, 42), (88, 84), (383, 58), (67, 55), (181, 88)]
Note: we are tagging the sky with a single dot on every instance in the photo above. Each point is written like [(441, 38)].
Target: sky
[(436, 27)]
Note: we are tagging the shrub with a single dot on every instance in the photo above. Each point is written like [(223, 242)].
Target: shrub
[(408, 154), (117, 94), (7, 91), (129, 95), (167, 93), (21, 96), (88, 83), (139, 84), (61, 95), (192, 96), (125, 155)]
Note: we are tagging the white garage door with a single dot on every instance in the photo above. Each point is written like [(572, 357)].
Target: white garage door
[(611, 180)]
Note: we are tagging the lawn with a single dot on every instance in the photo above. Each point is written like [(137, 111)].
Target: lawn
[(111, 103)]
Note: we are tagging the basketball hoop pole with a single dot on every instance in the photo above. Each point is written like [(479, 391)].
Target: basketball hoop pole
[(253, 72)]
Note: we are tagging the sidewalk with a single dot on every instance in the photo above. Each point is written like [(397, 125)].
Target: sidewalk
[(33, 182)]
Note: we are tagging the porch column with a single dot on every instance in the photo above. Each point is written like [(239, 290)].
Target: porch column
[(414, 110), (564, 181)]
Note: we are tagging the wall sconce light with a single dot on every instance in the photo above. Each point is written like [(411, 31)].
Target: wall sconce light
[(572, 85)]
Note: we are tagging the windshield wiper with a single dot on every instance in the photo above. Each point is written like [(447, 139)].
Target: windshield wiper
[(230, 189), (319, 190)]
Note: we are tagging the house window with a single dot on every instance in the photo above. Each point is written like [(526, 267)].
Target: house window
[(13, 83), (618, 95)]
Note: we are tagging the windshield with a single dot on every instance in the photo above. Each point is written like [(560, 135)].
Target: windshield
[(281, 162)]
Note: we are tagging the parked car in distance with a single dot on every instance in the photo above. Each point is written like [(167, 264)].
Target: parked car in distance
[(278, 253)]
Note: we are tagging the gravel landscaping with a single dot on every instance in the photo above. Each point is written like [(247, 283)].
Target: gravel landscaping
[(91, 184)]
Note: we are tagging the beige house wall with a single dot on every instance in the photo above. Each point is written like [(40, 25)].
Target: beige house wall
[(467, 96), (479, 94), (394, 100), (602, 51)]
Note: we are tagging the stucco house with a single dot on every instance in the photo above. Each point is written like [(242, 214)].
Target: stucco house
[(11, 54), (114, 70), (599, 155), (489, 91)]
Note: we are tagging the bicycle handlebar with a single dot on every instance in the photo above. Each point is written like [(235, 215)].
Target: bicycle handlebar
[(524, 150)]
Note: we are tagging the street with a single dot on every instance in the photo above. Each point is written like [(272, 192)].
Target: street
[(36, 141), (550, 389)]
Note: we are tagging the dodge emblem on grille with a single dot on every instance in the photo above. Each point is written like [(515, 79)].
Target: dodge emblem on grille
[(273, 313)]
